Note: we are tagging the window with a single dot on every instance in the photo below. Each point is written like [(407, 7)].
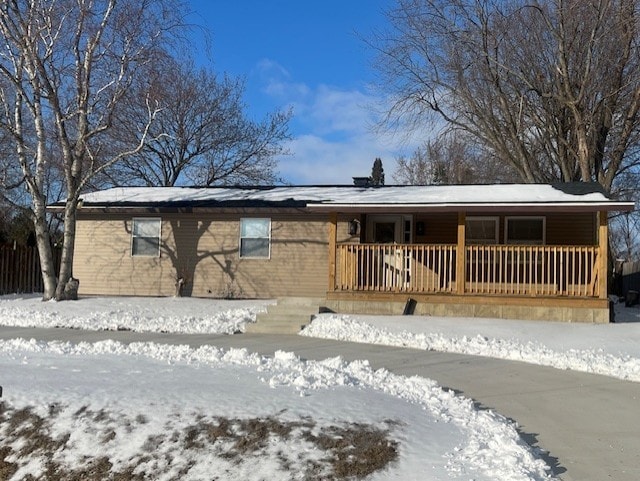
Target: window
[(407, 232), (255, 238), (524, 230), (145, 237), (481, 230)]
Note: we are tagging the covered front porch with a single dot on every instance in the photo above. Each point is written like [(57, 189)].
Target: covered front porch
[(468, 276)]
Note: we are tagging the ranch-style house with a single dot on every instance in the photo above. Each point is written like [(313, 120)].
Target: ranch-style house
[(523, 251)]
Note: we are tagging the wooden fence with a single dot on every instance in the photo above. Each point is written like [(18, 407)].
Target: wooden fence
[(20, 269), (628, 278)]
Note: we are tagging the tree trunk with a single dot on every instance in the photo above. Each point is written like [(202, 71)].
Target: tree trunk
[(45, 252), (66, 260)]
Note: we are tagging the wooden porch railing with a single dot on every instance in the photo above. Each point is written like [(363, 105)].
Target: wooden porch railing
[(490, 269), (533, 270), (397, 267)]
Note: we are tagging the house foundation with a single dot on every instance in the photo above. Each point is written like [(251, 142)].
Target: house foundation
[(522, 308)]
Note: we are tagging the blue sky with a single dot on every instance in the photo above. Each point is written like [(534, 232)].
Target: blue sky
[(308, 56)]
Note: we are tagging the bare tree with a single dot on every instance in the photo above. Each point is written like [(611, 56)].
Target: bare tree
[(414, 170), (625, 236), (66, 66), (550, 87), (451, 158), (202, 134)]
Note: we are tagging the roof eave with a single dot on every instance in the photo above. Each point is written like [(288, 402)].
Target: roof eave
[(519, 207), (478, 207)]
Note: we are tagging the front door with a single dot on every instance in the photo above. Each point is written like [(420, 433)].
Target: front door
[(384, 232), (393, 261), (385, 229)]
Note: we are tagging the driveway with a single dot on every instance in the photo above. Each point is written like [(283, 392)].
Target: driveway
[(588, 424)]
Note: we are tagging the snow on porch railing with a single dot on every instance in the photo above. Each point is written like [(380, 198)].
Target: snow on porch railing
[(532, 270), (428, 268)]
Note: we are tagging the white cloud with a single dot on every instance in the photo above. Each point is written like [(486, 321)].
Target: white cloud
[(340, 111), (333, 128), (318, 161), (276, 82)]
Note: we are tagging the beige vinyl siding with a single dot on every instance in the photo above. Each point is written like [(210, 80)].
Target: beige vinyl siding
[(297, 265), (104, 265), (204, 250)]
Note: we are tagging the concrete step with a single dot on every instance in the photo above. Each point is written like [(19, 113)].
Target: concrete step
[(274, 328), (299, 301), (305, 317), (288, 316), (274, 311)]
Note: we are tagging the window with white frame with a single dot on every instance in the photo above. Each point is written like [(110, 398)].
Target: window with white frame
[(524, 230), (145, 236), (255, 238), (481, 230)]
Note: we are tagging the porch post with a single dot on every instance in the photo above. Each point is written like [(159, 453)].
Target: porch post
[(333, 233), (461, 254), (603, 238)]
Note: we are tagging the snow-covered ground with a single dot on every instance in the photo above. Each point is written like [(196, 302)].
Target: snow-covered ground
[(139, 405), (142, 314), (607, 349)]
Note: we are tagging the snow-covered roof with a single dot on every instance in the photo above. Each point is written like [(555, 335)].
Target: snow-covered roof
[(572, 196)]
